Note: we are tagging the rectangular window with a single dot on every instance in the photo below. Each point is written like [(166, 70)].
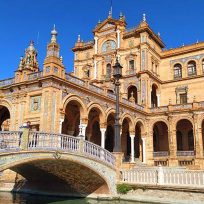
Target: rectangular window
[(131, 64), (183, 98)]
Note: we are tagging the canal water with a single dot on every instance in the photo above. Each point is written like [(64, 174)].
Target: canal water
[(11, 198)]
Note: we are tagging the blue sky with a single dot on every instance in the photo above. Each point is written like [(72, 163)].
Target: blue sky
[(178, 21)]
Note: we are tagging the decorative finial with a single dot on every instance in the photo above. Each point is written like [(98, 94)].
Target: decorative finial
[(121, 15), (183, 45), (54, 35), (110, 14), (158, 34), (79, 39), (61, 59), (144, 17), (99, 21), (197, 42)]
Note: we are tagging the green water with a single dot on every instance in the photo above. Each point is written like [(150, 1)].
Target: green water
[(11, 198)]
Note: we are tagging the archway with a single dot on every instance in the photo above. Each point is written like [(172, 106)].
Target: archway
[(160, 137), (109, 140), (154, 100), (93, 128), (138, 140), (132, 94), (184, 135), (4, 118), (126, 140), (71, 122)]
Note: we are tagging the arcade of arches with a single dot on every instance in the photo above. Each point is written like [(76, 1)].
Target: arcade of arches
[(137, 142)]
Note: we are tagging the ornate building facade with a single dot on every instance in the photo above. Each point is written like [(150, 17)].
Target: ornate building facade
[(161, 99)]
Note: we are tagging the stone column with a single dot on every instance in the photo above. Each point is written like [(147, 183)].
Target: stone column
[(118, 38), (172, 143), (103, 131), (143, 150), (96, 45), (60, 126), (95, 69), (158, 100), (132, 159)]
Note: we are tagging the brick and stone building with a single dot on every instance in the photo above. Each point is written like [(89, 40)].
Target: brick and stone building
[(161, 96)]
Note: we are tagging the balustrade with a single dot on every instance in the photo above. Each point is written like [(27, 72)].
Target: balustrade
[(35, 75), (10, 140), (6, 82), (185, 153), (164, 176), (161, 154)]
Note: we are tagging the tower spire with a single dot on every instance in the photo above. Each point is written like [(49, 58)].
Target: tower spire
[(54, 35)]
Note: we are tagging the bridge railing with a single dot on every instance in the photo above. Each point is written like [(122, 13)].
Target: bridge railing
[(67, 143), (98, 153), (10, 140)]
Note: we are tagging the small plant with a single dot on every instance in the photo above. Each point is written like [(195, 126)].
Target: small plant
[(123, 188)]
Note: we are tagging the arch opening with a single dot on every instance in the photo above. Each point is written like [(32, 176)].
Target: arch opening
[(71, 123), (160, 137), (109, 140), (154, 101), (4, 118), (184, 135), (132, 94)]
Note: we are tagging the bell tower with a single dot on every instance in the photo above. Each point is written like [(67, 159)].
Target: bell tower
[(53, 64), (28, 64)]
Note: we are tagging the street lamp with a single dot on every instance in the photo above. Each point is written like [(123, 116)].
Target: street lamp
[(117, 74)]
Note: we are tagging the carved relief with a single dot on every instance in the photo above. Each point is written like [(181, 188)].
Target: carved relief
[(35, 103)]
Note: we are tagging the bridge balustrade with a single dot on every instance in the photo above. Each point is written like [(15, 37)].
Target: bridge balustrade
[(34, 141), (10, 140)]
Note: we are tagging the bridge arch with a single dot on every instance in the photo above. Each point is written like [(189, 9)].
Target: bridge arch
[(62, 167)]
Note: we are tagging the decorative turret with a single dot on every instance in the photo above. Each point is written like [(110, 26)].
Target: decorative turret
[(28, 64), (53, 64)]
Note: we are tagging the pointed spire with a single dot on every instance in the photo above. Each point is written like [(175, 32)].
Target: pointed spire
[(54, 35), (144, 17)]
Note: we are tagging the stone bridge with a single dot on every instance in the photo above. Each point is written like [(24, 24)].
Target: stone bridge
[(56, 162)]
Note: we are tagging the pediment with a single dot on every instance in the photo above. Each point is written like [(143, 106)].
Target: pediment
[(108, 24)]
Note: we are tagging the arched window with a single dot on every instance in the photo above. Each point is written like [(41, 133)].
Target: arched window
[(191, 68), (108, 46), (154, 102), (203, 66), (108, 71), (177, 71), (132, 94)]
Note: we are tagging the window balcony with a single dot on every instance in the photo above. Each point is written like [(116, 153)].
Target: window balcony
[(161, 154), (186, 153)]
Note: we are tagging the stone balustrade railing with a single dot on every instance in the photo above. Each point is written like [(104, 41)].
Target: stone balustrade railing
[(17, 140), (164, 176), (7, 82), (35, 75), (161, 154), (10, 140), (185, 153)]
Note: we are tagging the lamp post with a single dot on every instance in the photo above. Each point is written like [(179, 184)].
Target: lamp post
[(117, 74)]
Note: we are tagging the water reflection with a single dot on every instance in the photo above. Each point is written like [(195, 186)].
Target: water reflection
[(16, 198)]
